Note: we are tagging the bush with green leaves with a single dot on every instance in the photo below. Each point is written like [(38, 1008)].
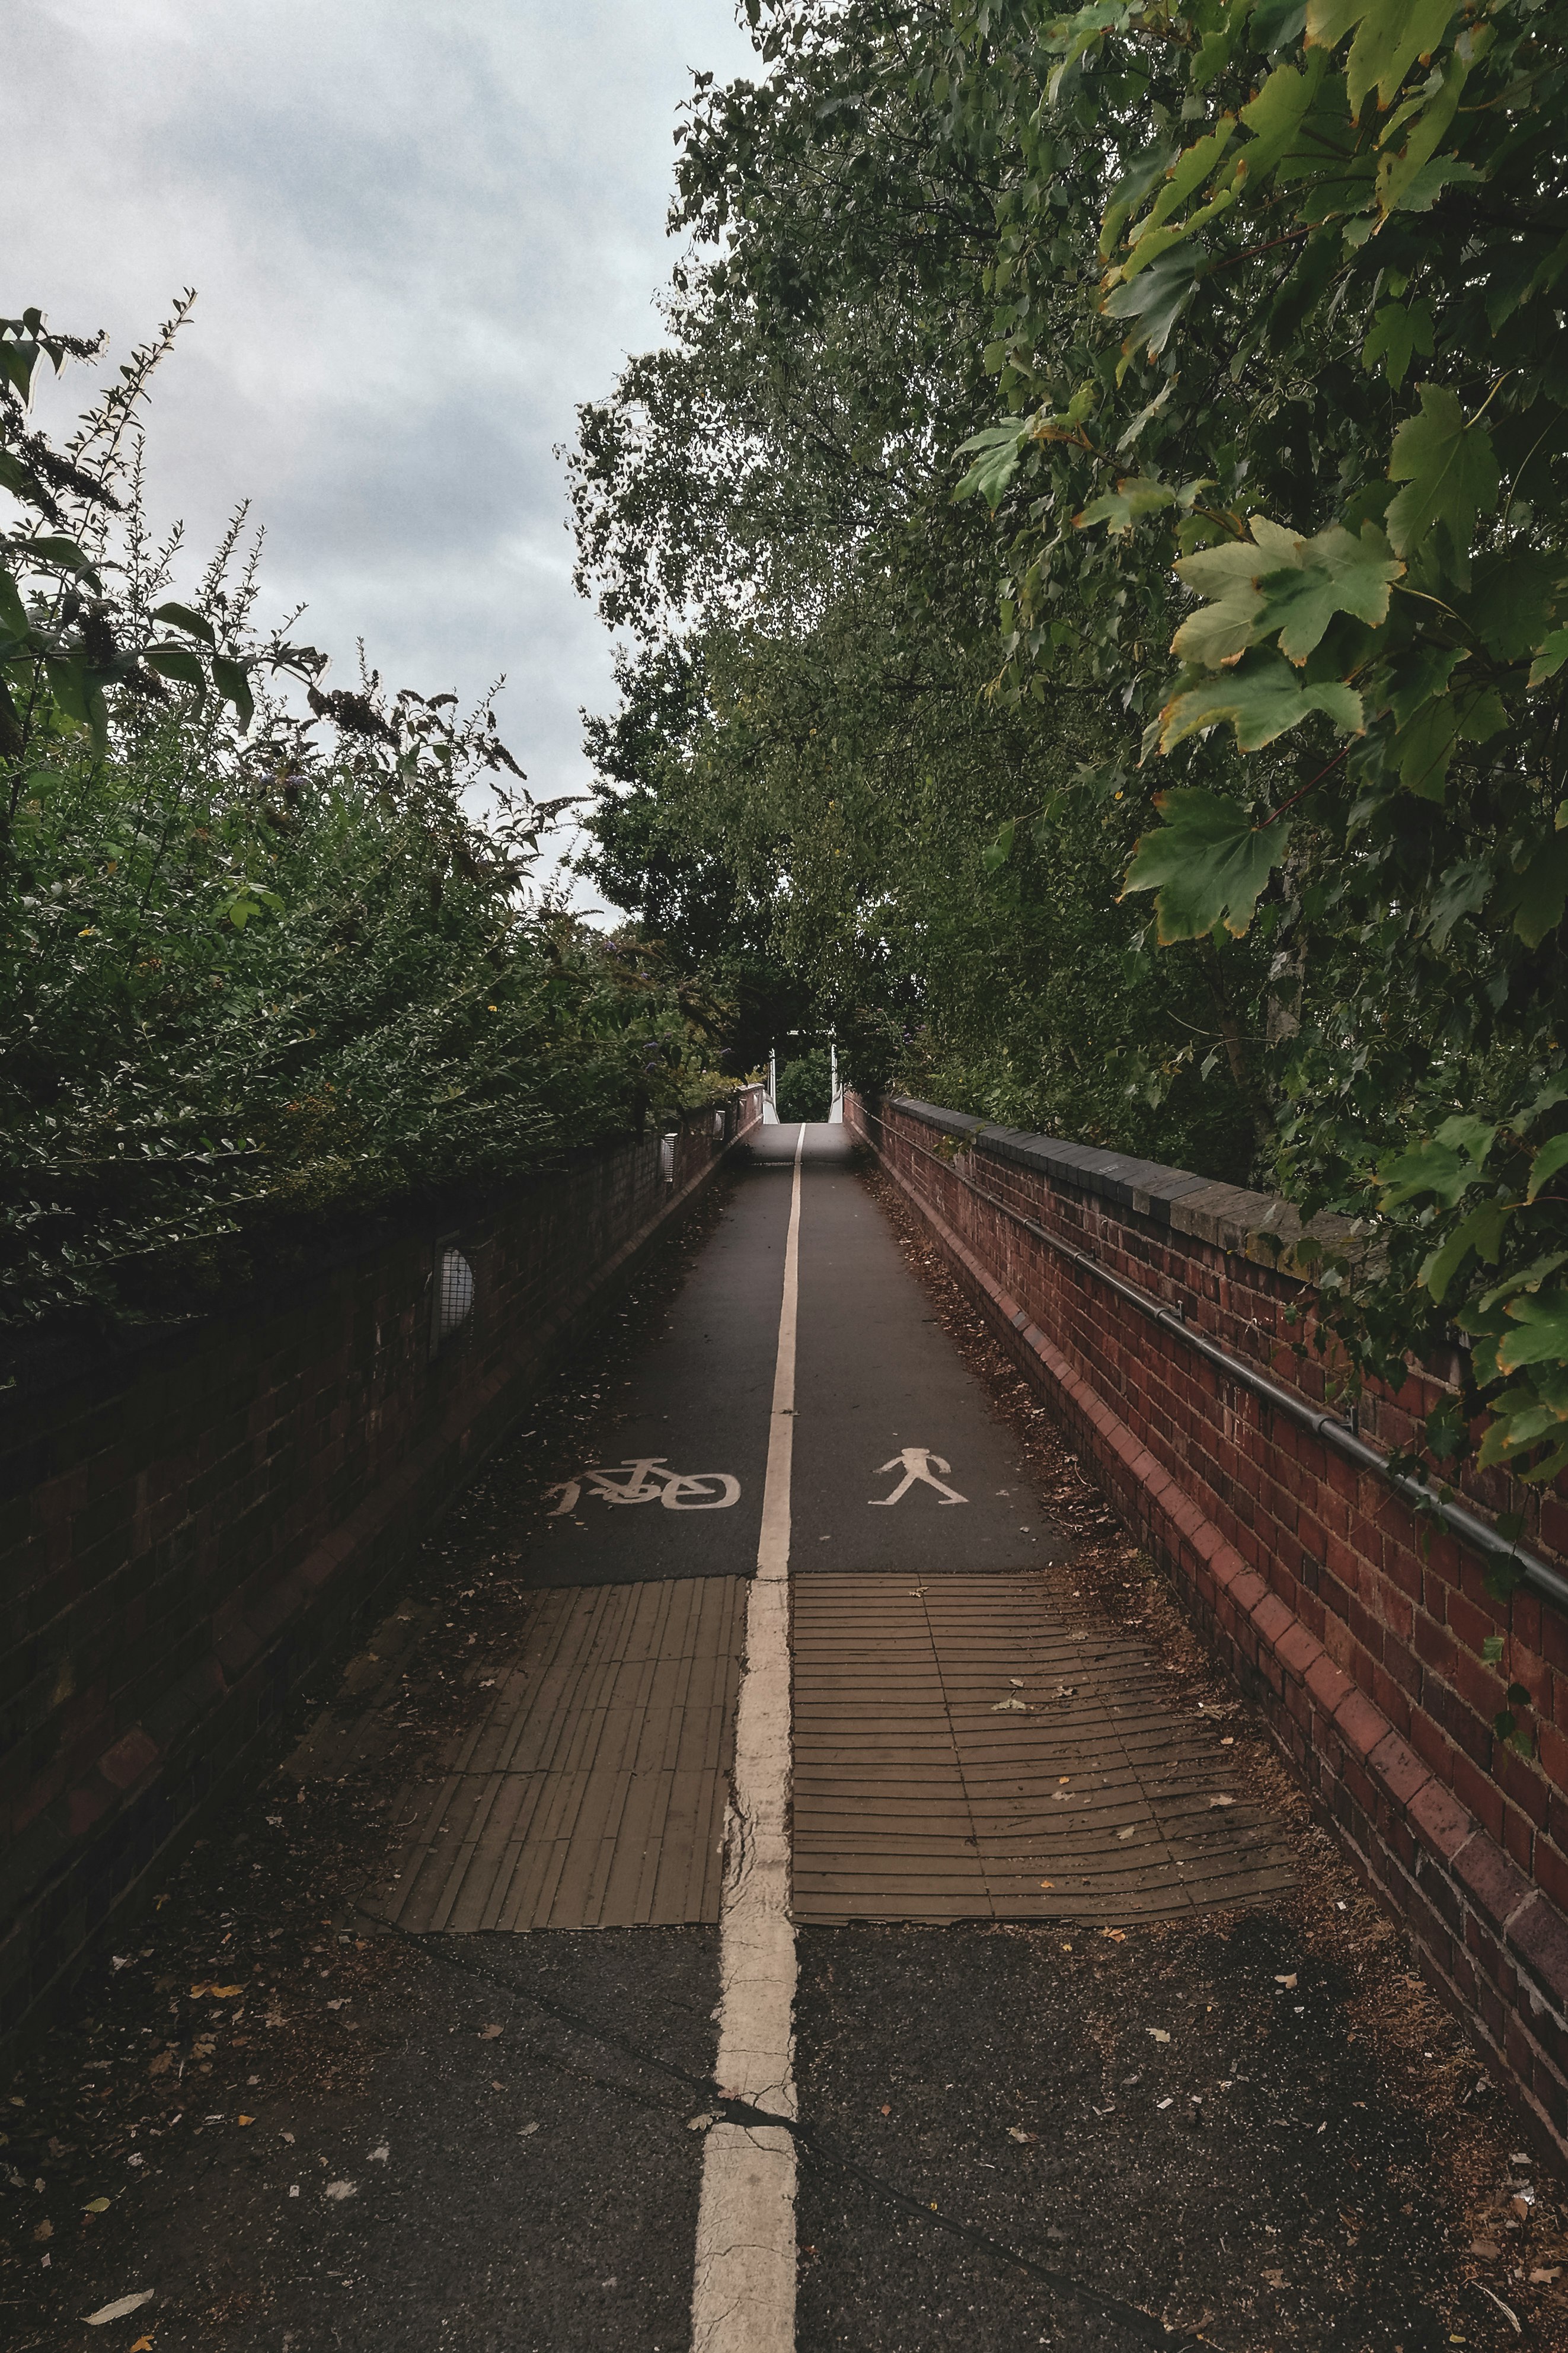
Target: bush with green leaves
[(1278, 315), (266, 959)]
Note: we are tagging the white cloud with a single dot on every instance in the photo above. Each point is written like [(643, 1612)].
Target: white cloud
[(420, 235)]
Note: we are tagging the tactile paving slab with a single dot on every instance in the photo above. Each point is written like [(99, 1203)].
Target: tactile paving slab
[(962, 1751), (591, 1794)]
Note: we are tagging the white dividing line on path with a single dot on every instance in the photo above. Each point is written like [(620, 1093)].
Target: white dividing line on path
[(743, 2298)]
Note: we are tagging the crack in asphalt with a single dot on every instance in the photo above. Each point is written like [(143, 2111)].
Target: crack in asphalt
[(727, 2109)]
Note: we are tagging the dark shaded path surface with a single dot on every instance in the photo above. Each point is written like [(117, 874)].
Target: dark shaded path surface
[(875, 1377), (326, 2112)]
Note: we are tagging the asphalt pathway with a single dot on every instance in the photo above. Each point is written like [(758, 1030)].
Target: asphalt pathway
[(301, 2115), (879, 1386)]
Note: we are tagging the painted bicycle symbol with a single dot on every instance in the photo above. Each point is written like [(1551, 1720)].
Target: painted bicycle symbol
[(648, 1479)]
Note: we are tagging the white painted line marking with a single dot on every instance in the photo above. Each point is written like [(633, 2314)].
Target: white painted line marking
[(742, 2297)]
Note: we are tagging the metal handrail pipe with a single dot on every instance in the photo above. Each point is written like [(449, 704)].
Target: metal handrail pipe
[(1338, 1436)]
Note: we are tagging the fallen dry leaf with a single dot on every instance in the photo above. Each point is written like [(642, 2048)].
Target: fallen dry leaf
[(215, 1992), (1288, 1983), (1220, 1801), (43, 2230), (1488, 2249), (340, 2190), (1117, 1936), (244, 2120), (1506, 2310), (489, 2034), (1017, 2132), (1048, 1882), (1158, 2033), (119, 2310), (96, 2206)]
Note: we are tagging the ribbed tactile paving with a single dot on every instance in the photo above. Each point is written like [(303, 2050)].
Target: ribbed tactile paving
[(592, 1793), (921, 1792)]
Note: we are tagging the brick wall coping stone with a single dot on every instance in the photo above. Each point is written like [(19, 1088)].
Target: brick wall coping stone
[(1259, 1226)]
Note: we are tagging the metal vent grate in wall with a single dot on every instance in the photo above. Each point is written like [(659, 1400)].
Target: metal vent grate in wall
[(454, 1301), (667, 1157)]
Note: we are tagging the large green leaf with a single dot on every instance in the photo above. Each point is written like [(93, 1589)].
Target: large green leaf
[(1416, 677), (1229, 573), (1391, 36), (1446, 1165), (1397, 333), (1424, 749), (1280, 583), (1207, 863), (232, 681), (14, 623), (1333, 573), (1450, 472), (997, 449), (1536, 892), (57, 555), (1511, 601), (1552, 1157), (1183, 177), (1551, 657), (1275, 116), (1263, 699), (1156, 296), (1481, 1231), (1541, 1336), (185, 617), (1126, 504), (1463, 890), (179, 662)]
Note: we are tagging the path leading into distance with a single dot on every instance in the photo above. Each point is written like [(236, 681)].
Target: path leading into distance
[(793, 1666), (808, 1938)]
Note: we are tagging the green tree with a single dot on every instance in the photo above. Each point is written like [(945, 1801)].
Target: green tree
[(806, 767)]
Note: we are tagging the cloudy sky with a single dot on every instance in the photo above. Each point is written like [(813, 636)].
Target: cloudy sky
[(419, 234)]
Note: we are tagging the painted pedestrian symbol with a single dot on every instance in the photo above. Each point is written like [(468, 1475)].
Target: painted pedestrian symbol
[(919, 1467), (648, 1479)]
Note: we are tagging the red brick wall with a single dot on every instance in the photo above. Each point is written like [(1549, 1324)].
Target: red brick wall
[(184, 1526), (1356, 1628)]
